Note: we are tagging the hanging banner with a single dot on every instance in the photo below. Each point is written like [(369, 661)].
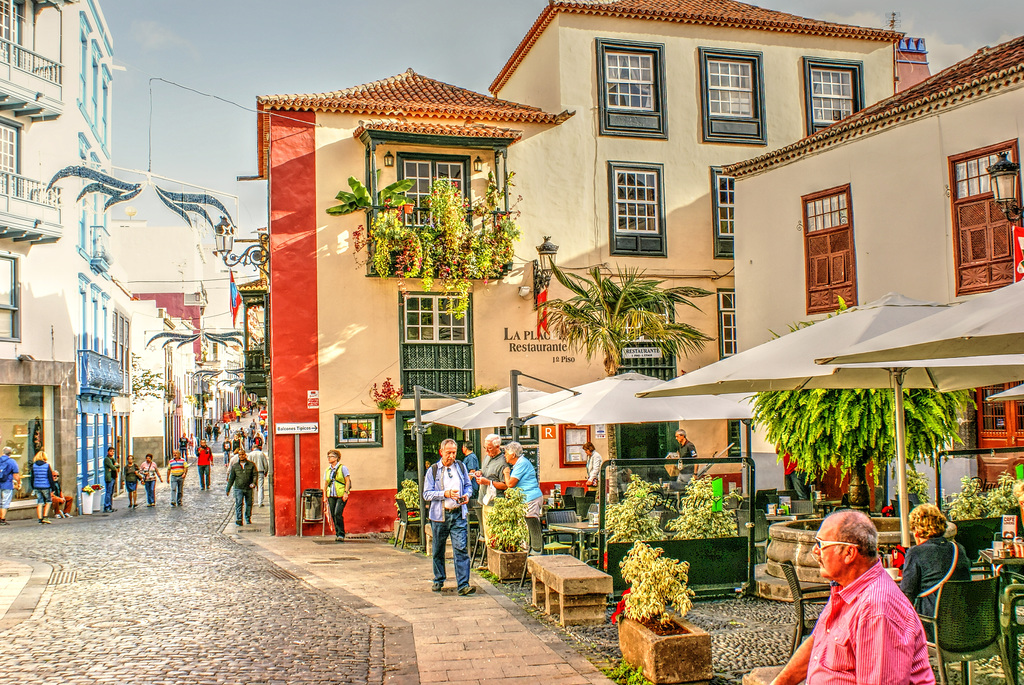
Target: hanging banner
[(1018, 253)]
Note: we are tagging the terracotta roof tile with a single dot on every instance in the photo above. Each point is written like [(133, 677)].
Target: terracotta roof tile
[(410, 94), (436, 129), (984, 73), (729, 13), (257, 285)]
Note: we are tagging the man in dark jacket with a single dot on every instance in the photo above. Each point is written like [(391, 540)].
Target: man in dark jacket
[(110, 476), (242, 477)]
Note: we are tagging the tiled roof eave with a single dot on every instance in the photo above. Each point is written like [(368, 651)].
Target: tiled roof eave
[(548, 13), (439, 112), (844, 131)]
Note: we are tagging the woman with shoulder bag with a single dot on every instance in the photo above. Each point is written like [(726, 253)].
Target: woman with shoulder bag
[(131, 482)]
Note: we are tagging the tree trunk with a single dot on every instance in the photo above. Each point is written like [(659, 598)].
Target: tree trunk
[(859, 496)]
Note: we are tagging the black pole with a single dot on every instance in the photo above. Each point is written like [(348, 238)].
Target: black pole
[(420, 471), (513, 392), (751, 489)]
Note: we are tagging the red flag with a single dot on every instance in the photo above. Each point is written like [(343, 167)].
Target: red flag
[(236, 299), (1018, 253), (542, 313)]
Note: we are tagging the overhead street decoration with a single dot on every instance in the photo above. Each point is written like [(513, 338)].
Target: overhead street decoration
[(182, 339)]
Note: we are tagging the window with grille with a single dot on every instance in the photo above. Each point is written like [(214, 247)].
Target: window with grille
[(631, 89), (732, 96), (834, 91), (981, 234), (726, 323), (637, 209), (437, 348), (829, 250), (423, 171), (723, 207), (357, 430), (9, 329)]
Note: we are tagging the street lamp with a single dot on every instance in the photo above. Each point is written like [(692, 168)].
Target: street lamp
[(542, 267), (1004, 181), (223, 237), (389, 159), (478, 164), (224, 241)]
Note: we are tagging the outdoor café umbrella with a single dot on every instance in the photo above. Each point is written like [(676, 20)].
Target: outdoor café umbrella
[(480, 412), (788, 363), (1014, 393)]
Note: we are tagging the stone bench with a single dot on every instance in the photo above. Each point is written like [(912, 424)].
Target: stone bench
[(565, 587)]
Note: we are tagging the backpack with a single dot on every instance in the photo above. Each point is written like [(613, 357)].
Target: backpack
[(5, 468), (433, 470)]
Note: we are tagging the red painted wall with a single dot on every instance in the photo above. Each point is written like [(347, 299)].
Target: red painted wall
[(293, 308), (370, 511)]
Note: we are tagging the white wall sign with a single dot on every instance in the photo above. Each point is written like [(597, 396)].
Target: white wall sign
[(312, 399), (292, 428), (641, 353), (600, 431)]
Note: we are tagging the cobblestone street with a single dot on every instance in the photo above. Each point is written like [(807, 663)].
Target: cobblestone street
[(162, 596)]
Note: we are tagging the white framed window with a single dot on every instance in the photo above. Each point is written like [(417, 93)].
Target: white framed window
[(9, 329), (427, 320), (629, 78), (730, 88), (423, 173), (831, 95), (727, 323), (636, 201), (357, 430), (971, 175), (8, 149), (831, 211)]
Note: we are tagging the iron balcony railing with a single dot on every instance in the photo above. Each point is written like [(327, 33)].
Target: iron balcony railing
[(99, 374), (22, 188), (31, 62)]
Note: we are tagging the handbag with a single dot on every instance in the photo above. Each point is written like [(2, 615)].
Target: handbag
[(489, 496)]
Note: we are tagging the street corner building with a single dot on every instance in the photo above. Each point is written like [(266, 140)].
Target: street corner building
[(605, 134)]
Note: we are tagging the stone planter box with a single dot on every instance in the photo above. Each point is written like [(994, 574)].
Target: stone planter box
[(506, 565), (412, 535), (682, 658)]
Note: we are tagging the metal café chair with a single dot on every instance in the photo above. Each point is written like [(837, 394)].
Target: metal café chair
[(404, 523), (804, 597)]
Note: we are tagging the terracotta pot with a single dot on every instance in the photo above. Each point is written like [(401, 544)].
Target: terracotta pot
[(389, 413), (680, 658), (506, 565), (407, 209)]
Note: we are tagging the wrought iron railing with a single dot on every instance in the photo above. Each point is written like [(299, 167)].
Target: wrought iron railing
[(22, 188), (99, 374), (31, 62)]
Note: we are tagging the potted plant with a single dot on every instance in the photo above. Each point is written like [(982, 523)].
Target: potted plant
[(507, 535), (653, 634), (359, 199), (388, 398), (97, 495), (87, 500), (700, 519), (629, 519), (410, 496)]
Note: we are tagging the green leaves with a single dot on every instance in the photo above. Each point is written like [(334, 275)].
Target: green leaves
[(698, 519), (506, 522), (360, 200), (655, 584), (629, 519)]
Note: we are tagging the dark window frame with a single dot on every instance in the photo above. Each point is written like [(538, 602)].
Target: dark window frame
[(15, 305), (722, 353), (834, 230), (856, 70), (750, 130), (433, 159), (563, 446), (724, 245), (615, 121), (378, 427), (403, 343), (640, 245)]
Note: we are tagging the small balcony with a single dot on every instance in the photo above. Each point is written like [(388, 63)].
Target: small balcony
[(28, 211), (99, 374), (30, 84), (255, 373), (100, 260)]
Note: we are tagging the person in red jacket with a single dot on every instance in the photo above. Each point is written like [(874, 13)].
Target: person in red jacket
[(204, 459)]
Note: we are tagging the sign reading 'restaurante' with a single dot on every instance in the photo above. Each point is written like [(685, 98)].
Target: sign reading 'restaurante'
[(531, 342)]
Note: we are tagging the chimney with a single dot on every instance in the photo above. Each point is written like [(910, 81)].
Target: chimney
[(911, 63)]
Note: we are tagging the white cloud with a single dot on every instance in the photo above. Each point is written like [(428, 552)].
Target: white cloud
[(153, 36)]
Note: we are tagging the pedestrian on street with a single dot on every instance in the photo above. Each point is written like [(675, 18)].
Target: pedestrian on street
[(447, 487), (471, 462), (62, 501), (493, 469), (10, 479), (337, 486), (216, 432), (42, 485), (110, 478), (183, 444), (524, 477), (177, 469), (242, 479), (262, 463), (150, 473), (226, 448), (131, 482), (204, 459), (237, 441)]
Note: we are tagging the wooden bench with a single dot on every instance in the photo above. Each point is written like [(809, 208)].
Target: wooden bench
[(565, 587)]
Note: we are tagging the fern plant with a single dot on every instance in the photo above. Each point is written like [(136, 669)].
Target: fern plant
[(506, 522), (698, 519), (630, 519), (656, 583)]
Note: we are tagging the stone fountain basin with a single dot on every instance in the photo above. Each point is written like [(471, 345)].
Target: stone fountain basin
[(793, 540)]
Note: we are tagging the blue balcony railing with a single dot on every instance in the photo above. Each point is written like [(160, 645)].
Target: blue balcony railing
[(99, 374)]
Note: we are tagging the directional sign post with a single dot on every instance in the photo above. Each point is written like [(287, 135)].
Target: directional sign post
[(297, 429)]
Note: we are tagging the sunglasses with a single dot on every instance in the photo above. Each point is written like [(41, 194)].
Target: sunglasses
[(448, 469), (820, 544)]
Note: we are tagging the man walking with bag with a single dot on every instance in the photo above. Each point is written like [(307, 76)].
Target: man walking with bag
[(337, 486), (242, 478), (447, 487)]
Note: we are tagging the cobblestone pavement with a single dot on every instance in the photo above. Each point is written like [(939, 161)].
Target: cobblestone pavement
[(159, 595)]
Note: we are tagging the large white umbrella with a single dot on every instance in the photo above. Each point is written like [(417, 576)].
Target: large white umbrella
[(989, 324), (788, 363), (481, 412), (1015, 393), (614, 400)]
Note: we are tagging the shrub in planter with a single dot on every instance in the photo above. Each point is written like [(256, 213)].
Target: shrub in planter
[(699, 520), (507, 535), (653, 635), (629, 519)]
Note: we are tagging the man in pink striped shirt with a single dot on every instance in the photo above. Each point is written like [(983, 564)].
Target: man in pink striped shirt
[(868, 633)]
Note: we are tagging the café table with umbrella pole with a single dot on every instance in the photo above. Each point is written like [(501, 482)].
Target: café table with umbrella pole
[(788, 363)]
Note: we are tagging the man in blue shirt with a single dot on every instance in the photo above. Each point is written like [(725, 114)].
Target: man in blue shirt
[(10, 478), (471, 462), (446, 488)]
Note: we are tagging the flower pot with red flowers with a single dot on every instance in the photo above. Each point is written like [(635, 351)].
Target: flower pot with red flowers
[(388, 398)]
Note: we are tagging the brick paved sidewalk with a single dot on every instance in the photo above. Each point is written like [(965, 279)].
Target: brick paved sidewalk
[(483, 638)]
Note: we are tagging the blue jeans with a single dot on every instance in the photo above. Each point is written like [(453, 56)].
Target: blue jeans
[(108, 496), (243, 495), (176, 487), (455, 526), (204, 477), (150, 491)]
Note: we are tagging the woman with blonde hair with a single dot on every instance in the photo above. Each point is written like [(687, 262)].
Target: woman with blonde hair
[(932, 561), (42, 484)]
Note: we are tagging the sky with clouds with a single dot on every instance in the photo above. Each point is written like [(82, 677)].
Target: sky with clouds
[(238, 49)]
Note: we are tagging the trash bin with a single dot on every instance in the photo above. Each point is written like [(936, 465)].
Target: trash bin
[(312, 505)]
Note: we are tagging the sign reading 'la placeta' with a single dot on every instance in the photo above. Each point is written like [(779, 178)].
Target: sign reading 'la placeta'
[(529, 341)]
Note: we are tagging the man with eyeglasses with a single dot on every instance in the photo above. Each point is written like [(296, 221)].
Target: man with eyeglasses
[(868, 633), (447, 487)]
